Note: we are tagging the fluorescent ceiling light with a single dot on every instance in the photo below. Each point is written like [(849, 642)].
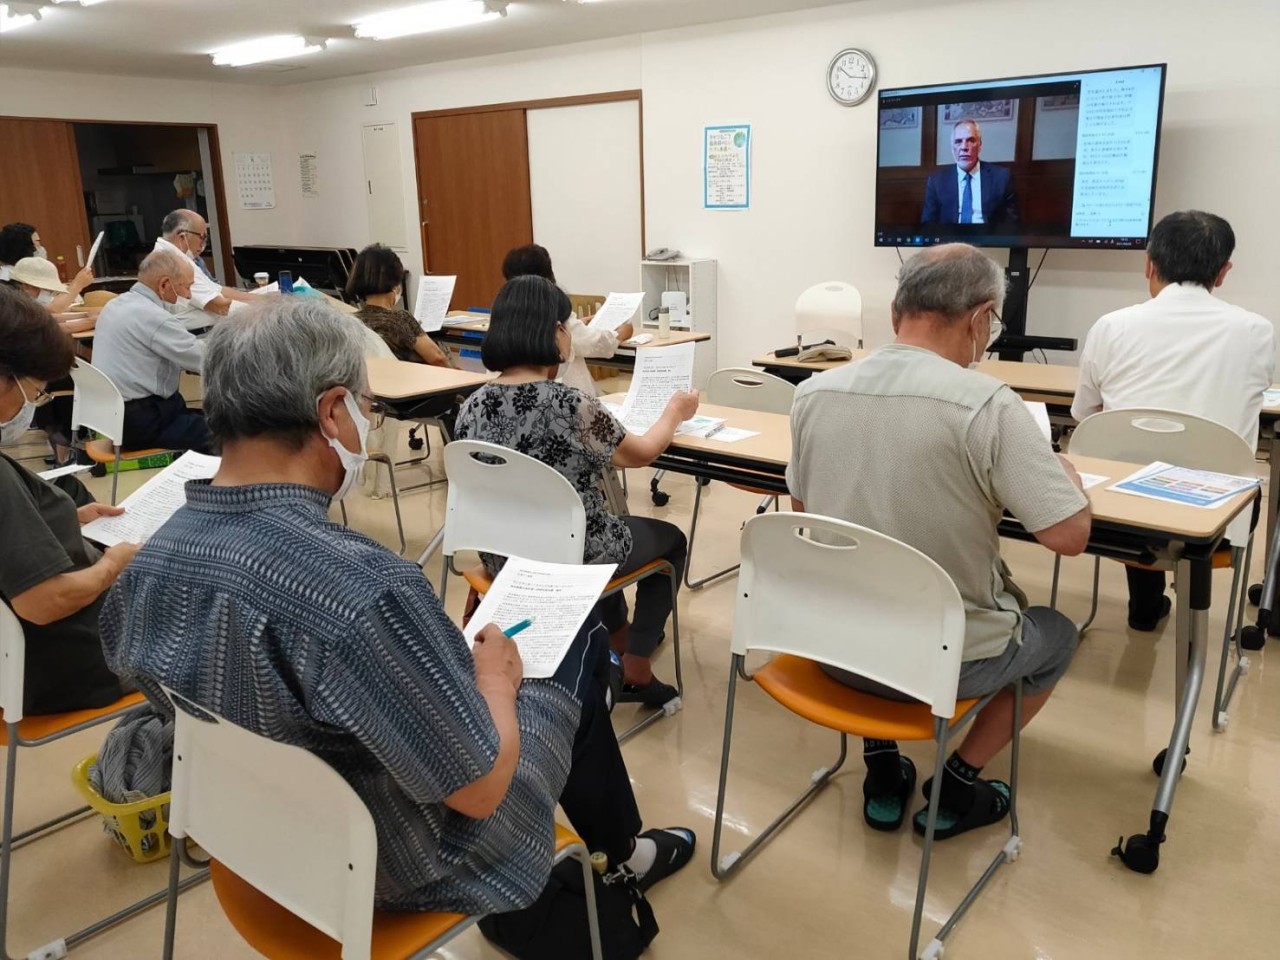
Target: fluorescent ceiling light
[(429, 17), (12, 19), (83, 3), (265, 49)]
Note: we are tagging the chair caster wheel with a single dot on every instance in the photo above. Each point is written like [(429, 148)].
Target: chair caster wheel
[(98, 470), (660, 498), (1140, 853), (1158, 763), (1251, 638), (1255, 594), (416, 443)]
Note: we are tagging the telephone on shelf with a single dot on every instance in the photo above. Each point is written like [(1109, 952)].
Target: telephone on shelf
[(662, 253)]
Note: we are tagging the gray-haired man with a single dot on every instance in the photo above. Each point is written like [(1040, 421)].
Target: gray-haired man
[(912, 443), (186, 233)]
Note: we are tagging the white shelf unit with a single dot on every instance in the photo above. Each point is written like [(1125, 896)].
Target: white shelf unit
[(697, 279)]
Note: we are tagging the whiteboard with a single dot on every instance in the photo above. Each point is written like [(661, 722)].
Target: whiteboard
[(584, 181), (384, 185)]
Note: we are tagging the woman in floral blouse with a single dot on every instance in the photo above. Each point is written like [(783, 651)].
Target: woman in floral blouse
[(526, 410)]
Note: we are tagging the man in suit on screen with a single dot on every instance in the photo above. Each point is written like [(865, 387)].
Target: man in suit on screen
[(971, 191)]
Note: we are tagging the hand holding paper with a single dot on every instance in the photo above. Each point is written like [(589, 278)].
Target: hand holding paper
[(557, 597), (661, 373), (618, 308), (153, 503)]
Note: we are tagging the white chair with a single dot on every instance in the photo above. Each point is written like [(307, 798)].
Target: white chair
[(294, 850), (21, 731), (1146, 435), (509, 504), (900, 621), (831, 310), (901, 624), (746, 389), (98, 405)]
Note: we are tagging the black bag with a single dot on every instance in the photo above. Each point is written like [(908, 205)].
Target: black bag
[(555, 926)]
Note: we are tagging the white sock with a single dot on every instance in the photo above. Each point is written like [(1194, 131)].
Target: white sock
[(643, 858)]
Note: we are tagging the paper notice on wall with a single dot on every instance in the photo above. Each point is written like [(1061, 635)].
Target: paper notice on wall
[(726, 167), (434, 294), (308, 173), (254, 183)]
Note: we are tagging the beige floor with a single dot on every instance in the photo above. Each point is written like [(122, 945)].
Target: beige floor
[(828, 887)]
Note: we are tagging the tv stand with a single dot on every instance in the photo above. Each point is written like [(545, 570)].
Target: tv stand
[(1014, 342)]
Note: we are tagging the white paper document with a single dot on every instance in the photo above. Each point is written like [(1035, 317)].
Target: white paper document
[(93, 251), (66, 471), (700, 426), (660, 373), (1040, 414), (1195, 488), (434, 294), (153, 503), (618, 308), (1090, 480), (557, 597), (731, 434), (1271, 397)]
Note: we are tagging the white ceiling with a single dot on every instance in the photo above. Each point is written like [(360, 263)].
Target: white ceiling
[(173, 38)]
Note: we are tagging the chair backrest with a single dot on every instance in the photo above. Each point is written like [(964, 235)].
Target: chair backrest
[(1146, 434), (507, 503), (750, 389), (586, 304), (832, 309), (97, 403), (99, 298), (280, 818), (13, 664), (375, 346), (1142, 435), (835, 592)]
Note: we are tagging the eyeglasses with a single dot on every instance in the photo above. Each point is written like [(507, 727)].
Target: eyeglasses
[(204, 237), (41, 398), (997, 329)]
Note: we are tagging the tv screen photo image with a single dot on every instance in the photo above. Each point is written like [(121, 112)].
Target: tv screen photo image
[(1051, 161)]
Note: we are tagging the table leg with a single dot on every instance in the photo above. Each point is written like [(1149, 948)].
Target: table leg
[(1141, 852), (1273, 491)]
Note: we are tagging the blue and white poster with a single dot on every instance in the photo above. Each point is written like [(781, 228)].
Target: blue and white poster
[(726, 167)]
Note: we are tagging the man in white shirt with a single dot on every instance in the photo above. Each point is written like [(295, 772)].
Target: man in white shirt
[(143, 349), (185, 233), (1184, 350)]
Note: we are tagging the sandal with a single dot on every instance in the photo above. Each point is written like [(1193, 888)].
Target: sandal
[(886, 811), (675, 850), (655, 693), (990, 805)]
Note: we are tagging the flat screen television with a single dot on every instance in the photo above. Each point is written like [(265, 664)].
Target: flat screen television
[(1056, 160)]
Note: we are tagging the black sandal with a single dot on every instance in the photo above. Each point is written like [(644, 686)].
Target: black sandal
[(886, 811), (675, 850), (655, 693), (990, 805)]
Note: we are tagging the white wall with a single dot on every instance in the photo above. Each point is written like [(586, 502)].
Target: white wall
[(813, 161)]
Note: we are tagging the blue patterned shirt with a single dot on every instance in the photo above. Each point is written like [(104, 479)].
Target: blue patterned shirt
[(251, 603)]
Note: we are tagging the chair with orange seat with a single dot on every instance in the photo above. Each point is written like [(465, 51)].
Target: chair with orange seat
[(746, 389), (98, 405), (21, 731), (1147, 435), (294, 850), (815, 590), (510, 504)]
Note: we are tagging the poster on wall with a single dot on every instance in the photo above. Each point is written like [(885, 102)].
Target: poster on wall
[(726, 167), (309, 175), (253, 181)]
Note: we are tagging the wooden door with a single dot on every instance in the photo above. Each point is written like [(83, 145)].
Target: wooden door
[(40, 185), (473, 192)]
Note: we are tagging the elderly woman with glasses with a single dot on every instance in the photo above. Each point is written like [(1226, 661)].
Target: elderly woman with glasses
[(52, 578)]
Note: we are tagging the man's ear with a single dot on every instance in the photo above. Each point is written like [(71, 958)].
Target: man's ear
[(327, 407), (1222, 274), (1148, 268)]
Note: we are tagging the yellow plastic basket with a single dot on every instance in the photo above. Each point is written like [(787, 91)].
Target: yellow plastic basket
[(141, 827)]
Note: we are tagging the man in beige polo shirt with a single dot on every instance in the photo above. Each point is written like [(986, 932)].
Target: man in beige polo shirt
[(913, 444)]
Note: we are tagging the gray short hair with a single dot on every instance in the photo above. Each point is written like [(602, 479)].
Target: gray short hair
[(949, 280), (176, 220), (162, 263), (265, 365)]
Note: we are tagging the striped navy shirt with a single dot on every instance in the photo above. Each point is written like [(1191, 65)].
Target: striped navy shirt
[(252, 603)]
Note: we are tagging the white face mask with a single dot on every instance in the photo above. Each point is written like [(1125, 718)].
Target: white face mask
[(44, 297), (979, 348), (352, 462), (12, 429), (41, 252)]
